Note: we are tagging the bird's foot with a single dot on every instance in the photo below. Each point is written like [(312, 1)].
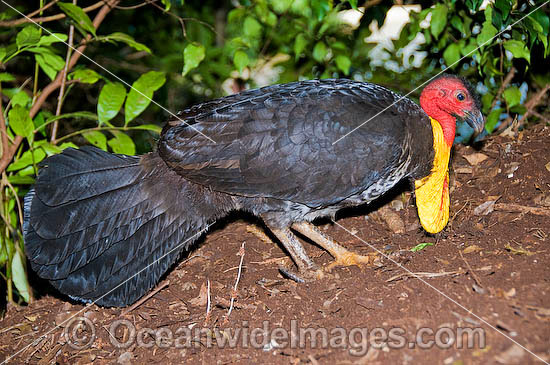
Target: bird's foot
[(348, 258), (303, 276)]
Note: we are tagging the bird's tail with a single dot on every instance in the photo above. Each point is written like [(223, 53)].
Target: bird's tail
[(104, 227)]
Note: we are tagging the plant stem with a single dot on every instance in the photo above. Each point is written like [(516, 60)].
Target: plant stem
[(63, 82)]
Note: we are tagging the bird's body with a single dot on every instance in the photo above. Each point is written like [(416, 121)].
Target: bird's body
[(274, 147), (105, 227)]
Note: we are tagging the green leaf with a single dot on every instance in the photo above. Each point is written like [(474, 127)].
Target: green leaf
[(2, 53), (110, 101), (439, 19), (21, 98), (46, 40), (28, 36), (492, 120), (252, 28), (96, 138), (353, 4), (518, 49), (149, 127), (49, 63), (122, 143), (280, 6), (240, 59), (125, 38), (27, 159), (469, 49), (512, 95), (421, 246), (452, 54), (85, 76), (343, 63), (4, 76), (141, 94), (167, 4), (47, 147), (486, 101), (543, 19), (20, 121), (79, 16), (504, 6), (473, 5), (20, 180), (19, 275), (300, 44), (321, 8), (193, 54), (487, 33), (320, 52), (67, 145)]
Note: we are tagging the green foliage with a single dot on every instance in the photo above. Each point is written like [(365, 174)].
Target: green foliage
[(29, 129), (110, 101), (193, 54), (81, 21), (141, 94), (421, 246), (486, 44)]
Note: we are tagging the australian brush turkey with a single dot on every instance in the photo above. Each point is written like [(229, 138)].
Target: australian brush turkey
[(105, 227)]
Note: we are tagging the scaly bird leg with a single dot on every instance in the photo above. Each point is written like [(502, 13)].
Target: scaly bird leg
[(342, 256), (308, 269)]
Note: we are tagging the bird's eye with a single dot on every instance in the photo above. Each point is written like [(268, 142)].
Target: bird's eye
[(460, 97)]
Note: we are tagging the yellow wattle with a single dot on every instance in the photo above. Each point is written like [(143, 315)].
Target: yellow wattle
[(432, 191)]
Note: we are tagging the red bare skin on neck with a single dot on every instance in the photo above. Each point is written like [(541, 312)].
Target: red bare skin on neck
[(439, 100)]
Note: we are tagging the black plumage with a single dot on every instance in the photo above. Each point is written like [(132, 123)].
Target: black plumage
[(96, 223)]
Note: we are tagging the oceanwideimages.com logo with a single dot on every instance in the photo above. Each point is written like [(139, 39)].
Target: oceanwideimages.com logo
[(80, 333)]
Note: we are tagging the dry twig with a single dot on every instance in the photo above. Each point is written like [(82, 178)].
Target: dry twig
[(145, 298), (63, 82), (28, 18), (234, 291), (470, 270)]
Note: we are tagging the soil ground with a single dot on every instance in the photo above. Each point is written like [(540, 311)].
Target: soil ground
[(487, 272)]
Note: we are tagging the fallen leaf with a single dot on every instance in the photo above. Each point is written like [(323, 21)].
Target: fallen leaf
[(518, 251), (202, 299), (485, 208), (472, 248), (475, 158), (547, 166), (32, 318)]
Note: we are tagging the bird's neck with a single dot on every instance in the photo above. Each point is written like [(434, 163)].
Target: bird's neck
[(432, 192), (447, 121)]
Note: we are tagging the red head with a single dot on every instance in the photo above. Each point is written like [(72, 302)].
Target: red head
[(447, 98)]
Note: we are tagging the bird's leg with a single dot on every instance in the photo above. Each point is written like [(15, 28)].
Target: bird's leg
[(342, 256), (308, 269)]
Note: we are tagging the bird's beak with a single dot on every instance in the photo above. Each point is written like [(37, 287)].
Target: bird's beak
[(475, 119)]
